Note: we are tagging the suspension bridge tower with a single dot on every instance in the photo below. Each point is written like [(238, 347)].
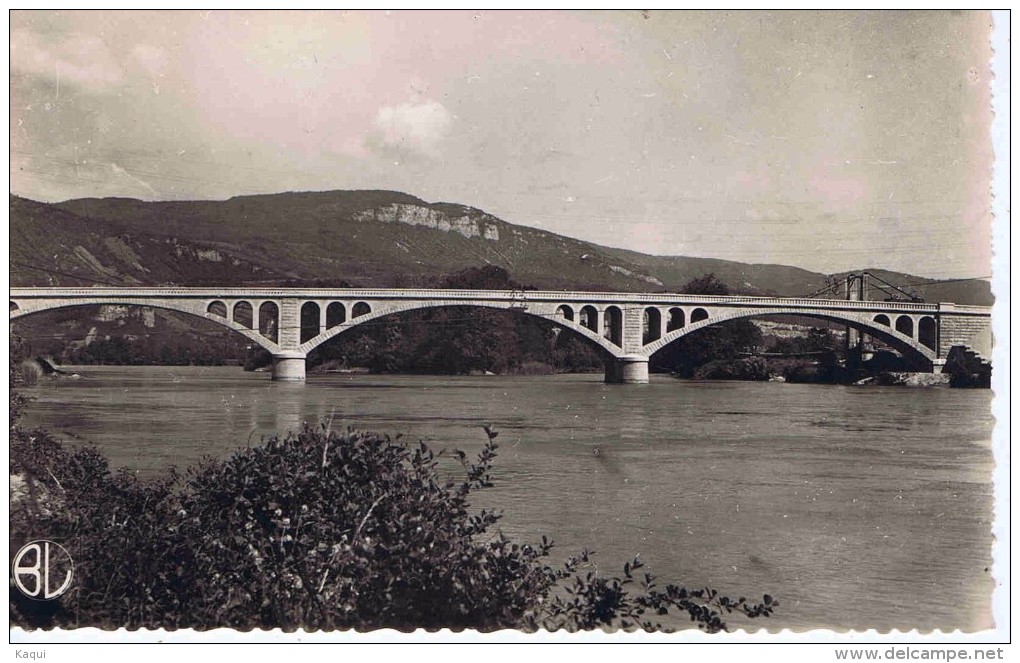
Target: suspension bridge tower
[(858, 346)]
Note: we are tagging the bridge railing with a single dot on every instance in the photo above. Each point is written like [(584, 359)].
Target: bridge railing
[(577, 297)]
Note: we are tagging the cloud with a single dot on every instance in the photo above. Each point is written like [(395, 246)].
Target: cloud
[(78, 59), (416, 128)]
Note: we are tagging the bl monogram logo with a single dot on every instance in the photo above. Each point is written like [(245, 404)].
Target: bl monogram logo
[(38, 566)]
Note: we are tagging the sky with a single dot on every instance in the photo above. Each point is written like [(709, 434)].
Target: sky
[(825, 140)]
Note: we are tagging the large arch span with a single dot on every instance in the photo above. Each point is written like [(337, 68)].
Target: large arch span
[(199, 309), (554, 317), (865, 322)]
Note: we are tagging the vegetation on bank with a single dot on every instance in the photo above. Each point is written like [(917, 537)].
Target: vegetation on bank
[(318, 530)]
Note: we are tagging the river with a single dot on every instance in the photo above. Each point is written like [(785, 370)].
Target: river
[(857, 507)]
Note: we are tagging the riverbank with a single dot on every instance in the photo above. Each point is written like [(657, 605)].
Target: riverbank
[(744, 369), (880, 373), (527, 368)]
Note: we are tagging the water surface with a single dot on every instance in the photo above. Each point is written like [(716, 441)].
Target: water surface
[(856, 507)]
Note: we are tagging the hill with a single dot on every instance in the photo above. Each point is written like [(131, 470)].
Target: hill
[(361, 238), (50, 246)]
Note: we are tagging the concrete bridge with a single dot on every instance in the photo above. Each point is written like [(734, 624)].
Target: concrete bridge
[(629, 327)]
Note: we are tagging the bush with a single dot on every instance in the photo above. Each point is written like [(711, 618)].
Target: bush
[(532, 368), (30, 372), (321, 530), (748, 368), (808, 373), (257, 358)]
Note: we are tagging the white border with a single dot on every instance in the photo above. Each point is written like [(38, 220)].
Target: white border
[(62, 643)]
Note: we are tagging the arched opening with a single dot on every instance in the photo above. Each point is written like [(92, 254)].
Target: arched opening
[(309, 321), (217, 308), (905, 325), (590, 318), (14, 306), (565, 312), (612, 325), (243, 315), (360, 309), (882, 319), (269, 321), (336, 314), (698, 314), (926, 332), (652, 330), (676, 319)]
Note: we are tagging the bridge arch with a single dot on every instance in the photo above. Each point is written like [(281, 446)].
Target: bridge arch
[(336, 314), (651, 324), (612, 325), (590, 318), (243, 315), (269, 320), (676, 319), (905, 325), (198, 309), (309, 320), (911, 348), (548, 314), (927, 332)]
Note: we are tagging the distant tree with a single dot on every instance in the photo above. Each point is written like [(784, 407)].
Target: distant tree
[(488, 277), (821, 340), (314, 283), (18, 375), (816, 340), (705, 285)]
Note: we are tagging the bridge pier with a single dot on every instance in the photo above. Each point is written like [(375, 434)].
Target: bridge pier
[(289, 366), (629, 369)]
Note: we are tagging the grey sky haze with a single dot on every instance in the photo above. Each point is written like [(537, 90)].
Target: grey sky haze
[(825, 140)]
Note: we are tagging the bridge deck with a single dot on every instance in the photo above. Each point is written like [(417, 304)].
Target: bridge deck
[(546, 296)]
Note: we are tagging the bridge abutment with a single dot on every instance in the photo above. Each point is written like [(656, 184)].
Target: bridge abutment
[(289, 366), (629, 369)]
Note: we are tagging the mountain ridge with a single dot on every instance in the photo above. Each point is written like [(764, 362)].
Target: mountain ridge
[(368, 238)]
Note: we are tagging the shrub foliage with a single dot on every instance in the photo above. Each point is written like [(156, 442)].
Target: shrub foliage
[(320, 530)]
